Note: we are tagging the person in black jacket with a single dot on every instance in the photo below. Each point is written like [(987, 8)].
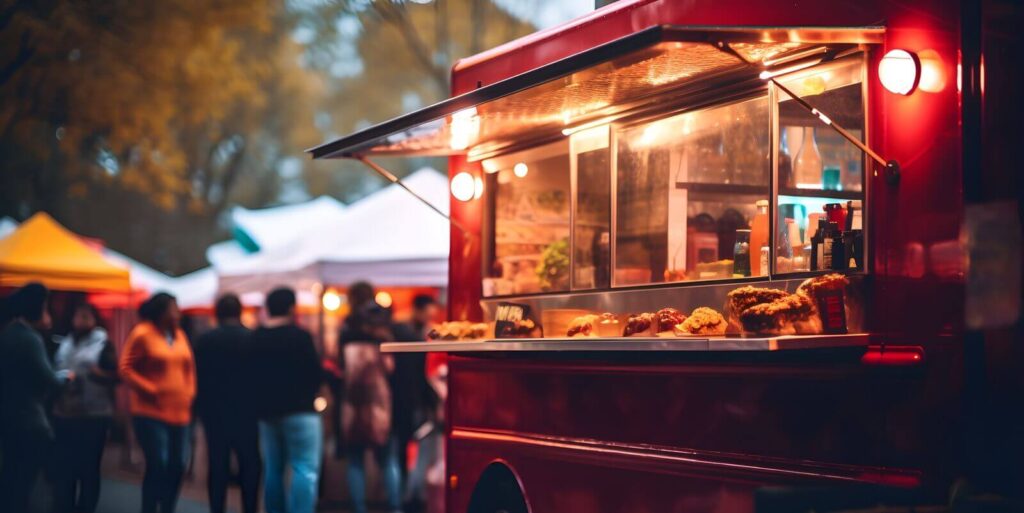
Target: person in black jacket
[(26, 382), (224, 404), (286, 376), (414, 401)]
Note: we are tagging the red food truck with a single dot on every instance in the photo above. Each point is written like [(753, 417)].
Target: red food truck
[(713, 256)]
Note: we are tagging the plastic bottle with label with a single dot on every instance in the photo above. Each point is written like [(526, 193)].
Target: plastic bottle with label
[(759, 238)]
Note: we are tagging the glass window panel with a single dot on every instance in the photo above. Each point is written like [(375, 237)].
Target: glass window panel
[(687, 190), (592, 218), (531, 226), (818, 169)]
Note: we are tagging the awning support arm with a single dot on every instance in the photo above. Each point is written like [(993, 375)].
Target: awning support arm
[(892, 167), (389, 176)]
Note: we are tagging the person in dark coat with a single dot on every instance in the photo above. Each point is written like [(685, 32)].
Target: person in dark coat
[(223, 403), (286, 378), (414, 401), (27, 381)]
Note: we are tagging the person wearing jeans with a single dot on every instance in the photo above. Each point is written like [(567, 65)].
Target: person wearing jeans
[(285, 374), (158, 366), (292, 442), (368, 411), (387, 461), (166, 448)]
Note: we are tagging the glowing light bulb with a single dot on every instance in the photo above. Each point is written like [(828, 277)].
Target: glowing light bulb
[(383, 299), (463, 186), (899, 71), (331, 301), (520, 169)]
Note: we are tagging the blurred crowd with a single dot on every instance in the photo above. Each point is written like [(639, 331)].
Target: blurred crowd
[(255, 393)]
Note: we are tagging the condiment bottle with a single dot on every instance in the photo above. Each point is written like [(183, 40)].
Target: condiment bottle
[(836, 214), (759, 237), (822, 245), (741, 254)]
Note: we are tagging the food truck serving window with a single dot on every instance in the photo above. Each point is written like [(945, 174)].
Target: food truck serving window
[(660, 157)]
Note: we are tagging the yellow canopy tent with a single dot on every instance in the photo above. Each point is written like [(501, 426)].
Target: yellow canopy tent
[(44, 251)]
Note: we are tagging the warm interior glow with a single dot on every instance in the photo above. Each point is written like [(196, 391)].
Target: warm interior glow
[(933, 77), (331, 301), (899, 71), (320, 404), (463, 186), (383, 299), (520, 169), (464, 128)]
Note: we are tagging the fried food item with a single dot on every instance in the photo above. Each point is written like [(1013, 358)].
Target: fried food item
[(812, 286), (668, 318), (641, 324), (583, 325), (458, 330), (703, 321), (739, 300), (746, 297), (780, 317)]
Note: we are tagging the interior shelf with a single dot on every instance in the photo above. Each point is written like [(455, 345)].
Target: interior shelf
[(821, 193), (724, 188)]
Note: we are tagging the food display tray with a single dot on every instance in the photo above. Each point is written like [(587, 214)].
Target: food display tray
[(632, 344)]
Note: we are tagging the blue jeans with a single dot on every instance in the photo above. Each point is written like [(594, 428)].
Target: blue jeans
[(387, 460), (294, 441), (166, 449)]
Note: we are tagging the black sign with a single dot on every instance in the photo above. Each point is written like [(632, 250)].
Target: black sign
[(513, 320)]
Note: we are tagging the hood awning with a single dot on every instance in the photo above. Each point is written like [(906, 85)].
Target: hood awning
[(626, 76)]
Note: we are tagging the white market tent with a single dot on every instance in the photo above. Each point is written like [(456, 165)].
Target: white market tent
[(388, 238)]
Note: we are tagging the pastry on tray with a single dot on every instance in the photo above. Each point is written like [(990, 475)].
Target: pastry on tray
[(458, 330), (641, 325), (594, 325), (702, 321), (583, 326), (668, 318)]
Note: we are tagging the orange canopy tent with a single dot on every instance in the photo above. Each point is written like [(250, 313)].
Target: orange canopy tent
[(44, 251)]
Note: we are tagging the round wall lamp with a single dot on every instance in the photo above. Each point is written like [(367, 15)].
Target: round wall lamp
[(463, 186), (900, 71)]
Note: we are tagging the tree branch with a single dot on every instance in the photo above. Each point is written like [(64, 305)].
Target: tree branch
[(20, 58), (398, 17)]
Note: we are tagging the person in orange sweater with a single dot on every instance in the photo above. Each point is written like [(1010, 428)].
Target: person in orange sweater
[(158, 366)]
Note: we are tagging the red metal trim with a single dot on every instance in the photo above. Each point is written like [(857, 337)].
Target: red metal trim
[(733, 467), (893, 356)]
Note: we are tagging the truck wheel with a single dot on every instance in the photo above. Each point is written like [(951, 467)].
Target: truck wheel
[(498, 491)]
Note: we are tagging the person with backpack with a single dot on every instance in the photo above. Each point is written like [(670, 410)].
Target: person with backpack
[(367, 411)]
